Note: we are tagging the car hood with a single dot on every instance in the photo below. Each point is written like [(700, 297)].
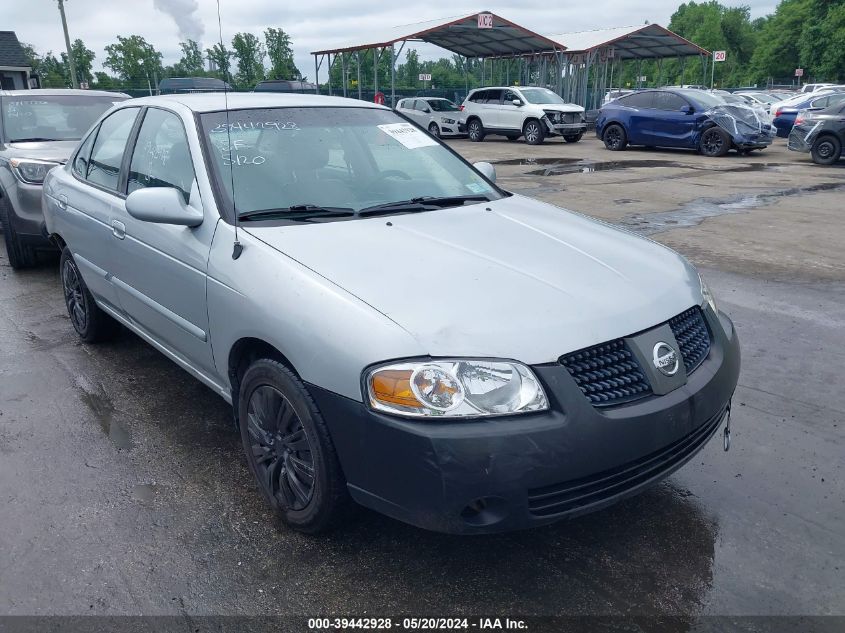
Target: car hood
[(56, 151), (514, 278), (560, 107)]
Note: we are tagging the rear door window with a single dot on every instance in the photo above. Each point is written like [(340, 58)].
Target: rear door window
[(479, 97), (107, 154), (638, 100), (494, 97)]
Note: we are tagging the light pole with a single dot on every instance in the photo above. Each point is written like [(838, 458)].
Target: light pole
[(73, 80)]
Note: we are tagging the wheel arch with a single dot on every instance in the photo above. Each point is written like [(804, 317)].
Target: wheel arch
[(242, 354)]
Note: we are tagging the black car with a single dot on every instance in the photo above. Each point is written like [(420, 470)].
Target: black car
[(821, 133)]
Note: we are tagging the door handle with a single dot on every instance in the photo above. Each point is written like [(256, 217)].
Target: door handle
[(62, 201), (118, 228)]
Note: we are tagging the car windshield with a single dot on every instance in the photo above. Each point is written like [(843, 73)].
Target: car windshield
[(540, 95), (51, 117), (331, 158), (442, 105)]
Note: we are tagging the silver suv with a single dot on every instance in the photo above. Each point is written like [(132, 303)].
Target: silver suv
[(390, 327), (38, 130), (532, 112)]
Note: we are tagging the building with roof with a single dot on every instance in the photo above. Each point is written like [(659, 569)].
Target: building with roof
[(15, 70)]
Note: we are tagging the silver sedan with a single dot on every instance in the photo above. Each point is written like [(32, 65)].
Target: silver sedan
[(391, 328)]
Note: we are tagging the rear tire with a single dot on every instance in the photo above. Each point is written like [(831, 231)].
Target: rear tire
[(434, 130), (826, 150), (289, 449), (90, 322), (715, 142), (573, 138), (614, 137), (475, 130), (20, 255), (533, 132)]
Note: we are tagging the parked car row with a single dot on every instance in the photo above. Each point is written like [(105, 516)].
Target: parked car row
[(262, 243)]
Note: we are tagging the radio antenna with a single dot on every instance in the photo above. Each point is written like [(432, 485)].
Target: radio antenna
[(237, 247)]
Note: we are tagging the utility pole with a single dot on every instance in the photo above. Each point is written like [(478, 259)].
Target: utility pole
[(73, 80)]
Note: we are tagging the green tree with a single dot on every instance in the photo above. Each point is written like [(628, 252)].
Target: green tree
[(249, 56), (191, 63), (221, 60), (83, 61), (134, 60), (104, 81), (52, 72), (280, 53)]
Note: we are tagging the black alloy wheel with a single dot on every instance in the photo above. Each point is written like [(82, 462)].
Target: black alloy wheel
[(88, 319), (289, 449), (715, 142), (281, 448), (74, 296), (614, 138)]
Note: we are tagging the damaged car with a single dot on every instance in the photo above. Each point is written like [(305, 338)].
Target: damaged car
[(692, 119), (391, 328), (820, 133)]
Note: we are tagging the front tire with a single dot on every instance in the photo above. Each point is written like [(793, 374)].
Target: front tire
[(90, 322), (614, 137), (573, 138), (20, 255), (533, 132), (715, 142), (475, 130), (289, 449), (434, 130), (826, 150)]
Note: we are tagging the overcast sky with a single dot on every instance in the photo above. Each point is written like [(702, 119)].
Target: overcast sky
[(312, 24)]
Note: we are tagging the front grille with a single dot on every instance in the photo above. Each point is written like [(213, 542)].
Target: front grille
[(690, 330), (607, 374), (570, 496)]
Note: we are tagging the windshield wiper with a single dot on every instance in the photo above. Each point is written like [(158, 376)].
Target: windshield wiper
[(296, 212), (422, 203)]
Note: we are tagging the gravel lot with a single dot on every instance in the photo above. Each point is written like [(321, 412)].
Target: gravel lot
[(123, 490)]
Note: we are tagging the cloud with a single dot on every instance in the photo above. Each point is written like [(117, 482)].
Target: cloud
[(313, 25)]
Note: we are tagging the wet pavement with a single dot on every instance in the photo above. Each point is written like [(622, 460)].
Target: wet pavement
[(124, 490)]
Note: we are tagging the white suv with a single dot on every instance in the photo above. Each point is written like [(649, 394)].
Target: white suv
[(531, 112)]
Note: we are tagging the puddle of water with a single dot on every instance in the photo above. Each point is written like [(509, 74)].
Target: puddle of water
[(559, 166), (695, 212), (103, 409), (144, 492)]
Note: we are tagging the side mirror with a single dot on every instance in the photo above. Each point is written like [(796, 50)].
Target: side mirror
[(688, 109), (164, 205), (517, 102), (487, 170)]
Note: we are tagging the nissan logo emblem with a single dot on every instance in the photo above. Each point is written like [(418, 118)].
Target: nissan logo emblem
[(665, 359)]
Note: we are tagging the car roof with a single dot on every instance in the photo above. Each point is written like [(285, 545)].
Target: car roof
[(60, 92), (215, 101)]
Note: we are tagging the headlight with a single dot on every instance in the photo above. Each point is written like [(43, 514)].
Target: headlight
[(709, 299), (455, 388), (553, 115), (445, 120), (31, 171)]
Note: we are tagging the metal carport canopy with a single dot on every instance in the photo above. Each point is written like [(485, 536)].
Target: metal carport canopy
[(630, 42), (463, 36)]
